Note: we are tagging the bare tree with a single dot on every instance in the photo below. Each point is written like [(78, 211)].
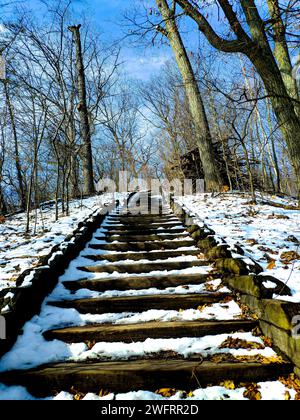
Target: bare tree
[(87, 157), (269, 65), (20, 179)]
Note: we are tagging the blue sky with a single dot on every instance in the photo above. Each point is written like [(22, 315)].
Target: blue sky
[(107, 15), (139, 63)]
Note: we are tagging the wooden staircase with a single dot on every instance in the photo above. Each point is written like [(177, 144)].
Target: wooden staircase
[(136, 253)]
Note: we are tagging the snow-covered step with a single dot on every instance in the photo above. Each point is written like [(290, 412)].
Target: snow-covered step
[(142, 221), (142, 218), (138, 282), (139, 375), (140, 230), (140, 303), (145, 267), (143, 213), (128, 333), (136, 256), (140, 238), (143, 246), (146, 222)]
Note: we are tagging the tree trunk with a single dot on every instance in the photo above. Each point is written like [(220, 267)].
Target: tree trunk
[(258, 50), (3, 207), (212, 175), (87, 156), (288, 121), (282, 55), (16, 147), (73, 159)]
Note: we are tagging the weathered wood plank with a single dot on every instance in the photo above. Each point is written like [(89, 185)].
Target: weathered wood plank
[(140, 303), (138, 283), (139, 332), (136, 375), (136, 256), (140, 230), (140, 238), (136, 268), (129, 221), (144, 246)]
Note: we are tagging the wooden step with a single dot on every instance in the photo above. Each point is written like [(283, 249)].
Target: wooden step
[(142, 219), (143, 213), (140, 303), (129, 333), (139, 375), (138, 283), (145, 225), (144, 246), (137, 268), (143, 231), (136, 256), (140, 238)]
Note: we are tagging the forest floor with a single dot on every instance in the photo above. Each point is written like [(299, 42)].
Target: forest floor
[(268, 234), (20, 250)]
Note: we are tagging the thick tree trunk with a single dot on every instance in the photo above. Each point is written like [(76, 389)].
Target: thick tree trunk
[(282, 55), (16, 149), (87, 156), (258, 50), (73, 161), (288, 121), (212, 175), (270, 71), (75, 191), (3, 207)]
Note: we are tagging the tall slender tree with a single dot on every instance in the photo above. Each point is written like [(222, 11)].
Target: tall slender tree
[(170, 30), (21, 184), (87, 156), (270, 65)]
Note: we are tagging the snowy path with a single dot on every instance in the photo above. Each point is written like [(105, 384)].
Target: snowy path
[(137, 312)]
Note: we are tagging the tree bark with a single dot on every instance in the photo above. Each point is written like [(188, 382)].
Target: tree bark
[(87, 156), (283, 108), (258, 50), (281, 53), (16, 148), (3, 207), (212, 175)]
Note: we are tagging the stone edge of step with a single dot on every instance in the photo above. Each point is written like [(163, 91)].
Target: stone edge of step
[(14, 306), (276, 317)]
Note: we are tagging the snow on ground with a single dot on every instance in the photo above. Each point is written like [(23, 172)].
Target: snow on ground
[(268, 391), (32, 350), (265, 232), (20, 251), (39, 352), (179, 290), (186, 346)]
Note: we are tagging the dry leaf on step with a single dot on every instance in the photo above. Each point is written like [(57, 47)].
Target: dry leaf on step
[(271, 265)]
